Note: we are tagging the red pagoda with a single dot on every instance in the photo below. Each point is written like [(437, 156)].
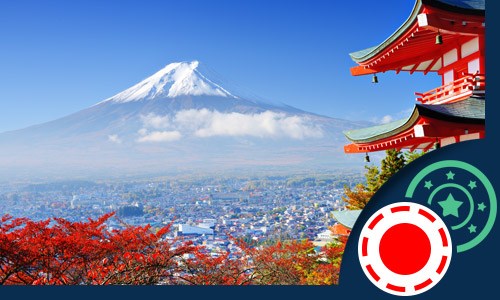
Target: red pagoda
[(442, 36)]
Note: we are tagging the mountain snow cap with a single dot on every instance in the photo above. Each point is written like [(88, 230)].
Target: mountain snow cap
[(174, 80)]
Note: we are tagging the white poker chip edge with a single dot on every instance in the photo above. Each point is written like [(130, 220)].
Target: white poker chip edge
[(430, 274)]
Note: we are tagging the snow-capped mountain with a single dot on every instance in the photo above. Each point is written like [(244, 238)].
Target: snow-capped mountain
[(176, 119), (174, 80)]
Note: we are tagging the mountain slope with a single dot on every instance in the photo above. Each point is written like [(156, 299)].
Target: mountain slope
[(174, 80), (176, 119)]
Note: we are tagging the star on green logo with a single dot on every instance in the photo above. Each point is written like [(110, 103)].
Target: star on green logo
[(428, 185), (472, 185), (450, 206)]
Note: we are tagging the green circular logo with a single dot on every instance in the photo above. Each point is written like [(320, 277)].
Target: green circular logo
[(462, 195)]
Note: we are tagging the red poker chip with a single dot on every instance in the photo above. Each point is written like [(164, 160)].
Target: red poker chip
[(405, 249)]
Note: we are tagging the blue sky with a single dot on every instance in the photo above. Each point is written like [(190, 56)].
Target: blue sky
[(58, 57)]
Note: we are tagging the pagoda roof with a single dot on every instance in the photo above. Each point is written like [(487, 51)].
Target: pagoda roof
[(346, 217), (468, 5), (469, 111), (419, 40), (365, 54)]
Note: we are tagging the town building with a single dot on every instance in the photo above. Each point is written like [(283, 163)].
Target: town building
[(345, 221)]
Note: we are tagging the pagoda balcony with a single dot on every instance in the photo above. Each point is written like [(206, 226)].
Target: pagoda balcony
[(460, 89)]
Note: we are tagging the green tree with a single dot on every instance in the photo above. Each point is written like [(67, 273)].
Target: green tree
[(358, 197), (372, 178), (393, 162), (412, 155)]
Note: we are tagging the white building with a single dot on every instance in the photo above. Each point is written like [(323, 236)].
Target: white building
[(185, 229), (325, 236)]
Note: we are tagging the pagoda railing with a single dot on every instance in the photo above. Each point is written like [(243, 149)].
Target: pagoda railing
[(454, 91)]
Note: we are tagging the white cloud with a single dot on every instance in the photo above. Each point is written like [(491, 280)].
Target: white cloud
[(114, 138), (142, 131), (386, 119), (155, 121), (160, 136), (205, 123)]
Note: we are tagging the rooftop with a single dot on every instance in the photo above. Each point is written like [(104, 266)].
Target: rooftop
[(417, 36), (471, 111), (346, 217)]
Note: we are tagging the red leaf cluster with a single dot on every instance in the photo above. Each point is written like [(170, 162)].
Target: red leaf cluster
[(59, 252)]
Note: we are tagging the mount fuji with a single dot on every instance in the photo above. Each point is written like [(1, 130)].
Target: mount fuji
[(177, 120)]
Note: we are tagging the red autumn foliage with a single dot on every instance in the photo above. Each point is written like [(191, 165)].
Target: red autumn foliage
[(59, 252), (221, 269), (285, 263)]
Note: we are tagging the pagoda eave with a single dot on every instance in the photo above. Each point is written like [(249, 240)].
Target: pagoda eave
[(435, 22), (428, 124), (410, 140), (413, 46), (363, 70)]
